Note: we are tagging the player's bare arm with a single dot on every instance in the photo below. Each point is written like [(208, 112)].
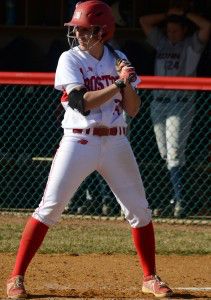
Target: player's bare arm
[(93, 99), (148, 22), (203, 24), (131, 101), (84, 100)]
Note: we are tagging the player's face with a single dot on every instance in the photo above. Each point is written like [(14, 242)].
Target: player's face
[(175, 32), (85, 36)]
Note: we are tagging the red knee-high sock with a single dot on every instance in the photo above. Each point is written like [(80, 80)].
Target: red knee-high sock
[(31, 240), (144, 241)]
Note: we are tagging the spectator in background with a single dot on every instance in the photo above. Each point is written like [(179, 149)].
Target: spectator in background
[(177, 54)]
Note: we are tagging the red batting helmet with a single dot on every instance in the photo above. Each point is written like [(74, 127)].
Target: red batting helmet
[(94, 13)]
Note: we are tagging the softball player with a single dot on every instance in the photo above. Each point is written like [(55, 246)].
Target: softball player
[(94, 139), (172, 112)]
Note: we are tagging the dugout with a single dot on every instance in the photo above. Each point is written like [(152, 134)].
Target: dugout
[(33, 35)]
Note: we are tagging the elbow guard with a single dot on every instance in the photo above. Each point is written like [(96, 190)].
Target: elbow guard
[(76, 101)]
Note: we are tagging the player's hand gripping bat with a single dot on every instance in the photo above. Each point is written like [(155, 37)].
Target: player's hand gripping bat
[(124, 68)]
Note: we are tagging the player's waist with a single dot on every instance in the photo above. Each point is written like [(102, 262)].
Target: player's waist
[(99, 131)]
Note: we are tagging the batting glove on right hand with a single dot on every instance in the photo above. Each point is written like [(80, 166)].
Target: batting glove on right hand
[(128, 73), (125, 70), (120, 63)]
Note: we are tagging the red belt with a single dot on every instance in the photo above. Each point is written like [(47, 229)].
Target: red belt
[(101, 131)]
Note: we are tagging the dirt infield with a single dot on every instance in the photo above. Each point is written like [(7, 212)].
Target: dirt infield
[(104, 276), (107, 276)]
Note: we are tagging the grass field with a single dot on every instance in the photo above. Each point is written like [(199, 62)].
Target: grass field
[(81, 236), (95, 259)]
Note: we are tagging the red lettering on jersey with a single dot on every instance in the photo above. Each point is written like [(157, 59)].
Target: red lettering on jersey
[(95, 83), (118, 107), (86, 82), (92, 83), (113, 78), (106, 78), (82, 72), (99, 85)]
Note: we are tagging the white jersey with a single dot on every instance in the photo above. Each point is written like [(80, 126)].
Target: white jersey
[(75, 68), (180, 59)]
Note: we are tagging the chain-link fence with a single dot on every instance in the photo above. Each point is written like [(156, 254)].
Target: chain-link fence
[(30, 134)]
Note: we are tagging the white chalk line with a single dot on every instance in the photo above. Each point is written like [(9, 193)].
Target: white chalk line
[(193, 288)]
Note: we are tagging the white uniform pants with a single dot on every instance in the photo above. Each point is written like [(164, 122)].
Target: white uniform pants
[(172, 123), (75, 159)]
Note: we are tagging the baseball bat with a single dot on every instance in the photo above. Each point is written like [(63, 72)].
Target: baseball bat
[(115, 54), (131, 77)]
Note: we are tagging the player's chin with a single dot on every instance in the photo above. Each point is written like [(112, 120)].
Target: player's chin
[(82, 45)]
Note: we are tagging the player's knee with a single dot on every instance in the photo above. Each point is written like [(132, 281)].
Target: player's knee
[(48, 215), (140, 218), (47, 220), (175, 158), (163, 155), (175, 163)]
